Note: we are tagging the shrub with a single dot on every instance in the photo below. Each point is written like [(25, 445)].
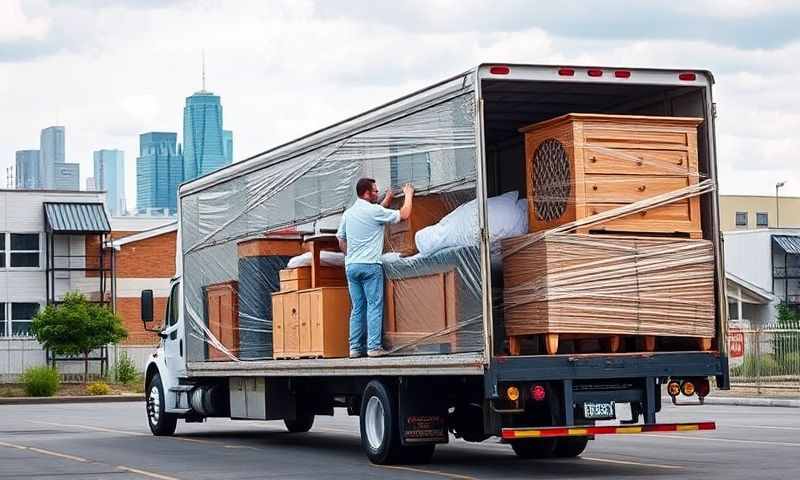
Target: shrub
[(125, 370), (40, 381), (98, 388)]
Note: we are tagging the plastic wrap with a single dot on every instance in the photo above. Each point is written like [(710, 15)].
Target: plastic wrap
[(237, 234)]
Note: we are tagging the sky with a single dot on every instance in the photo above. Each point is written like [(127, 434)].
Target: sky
[(110, 70)]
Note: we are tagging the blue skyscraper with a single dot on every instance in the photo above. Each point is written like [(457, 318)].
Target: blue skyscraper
[(109, 176), (51, 152), (159, 171), (67, 177), (27, 171), (203, 145), (227, 142)]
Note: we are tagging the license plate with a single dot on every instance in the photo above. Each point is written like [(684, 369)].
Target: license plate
[(598, 410)]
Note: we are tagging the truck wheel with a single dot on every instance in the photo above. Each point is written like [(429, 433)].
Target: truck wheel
[(380, 433), (161, 423), (534, 447), (301, 424), (569, 447)]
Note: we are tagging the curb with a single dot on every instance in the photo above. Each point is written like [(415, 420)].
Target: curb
[(76, 399), (745, 402)]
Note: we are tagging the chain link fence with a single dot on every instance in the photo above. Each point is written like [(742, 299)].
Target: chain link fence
[(765, 357)]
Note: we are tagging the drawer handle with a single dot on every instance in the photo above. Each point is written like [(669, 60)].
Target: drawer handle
[(642, 188), (643, 213), (594, 212), (639, 163), (294, 311), (594, 187), (593, 159), (680, 162)]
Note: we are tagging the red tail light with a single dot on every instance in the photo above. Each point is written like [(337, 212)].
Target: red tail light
[(566, 72), (622, 74), (500, 70), (594, 72), (687, 76), (538, 393), (702, 387)]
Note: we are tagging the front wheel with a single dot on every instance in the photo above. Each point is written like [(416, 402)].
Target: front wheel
[(300, 424), (380, 433), (161, 423)]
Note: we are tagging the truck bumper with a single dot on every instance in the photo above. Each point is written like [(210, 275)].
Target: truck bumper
[(546, 432)]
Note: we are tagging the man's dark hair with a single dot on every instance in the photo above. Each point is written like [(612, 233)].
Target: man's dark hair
[(364, 185)]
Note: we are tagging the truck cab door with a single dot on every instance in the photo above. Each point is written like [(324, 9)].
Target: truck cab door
[(173, 334)]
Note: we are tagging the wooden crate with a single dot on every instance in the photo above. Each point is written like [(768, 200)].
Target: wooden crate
[(416, 308), (300, 278), (285, 325), (222, 303), (267, 247), (579, 165), (608, 285), (426, 211)]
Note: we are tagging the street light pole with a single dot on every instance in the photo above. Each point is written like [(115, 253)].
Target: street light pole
[(778, 205)]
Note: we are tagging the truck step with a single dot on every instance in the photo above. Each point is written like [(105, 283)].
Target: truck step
[(181, 388), (179, 411)]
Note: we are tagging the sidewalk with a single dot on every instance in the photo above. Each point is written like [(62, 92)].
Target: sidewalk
[(125, 397), (748, 396)]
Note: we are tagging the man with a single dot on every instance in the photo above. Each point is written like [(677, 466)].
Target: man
[(360, 237)]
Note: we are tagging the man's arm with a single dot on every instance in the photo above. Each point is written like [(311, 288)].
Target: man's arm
[(387, 199), (405, 210), (342, 245)]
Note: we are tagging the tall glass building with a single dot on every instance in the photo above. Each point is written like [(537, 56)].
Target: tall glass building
[(67, 177), (159, 171), (51, 152), (203, 145), (27, 169), (227, 142), (109, 176)]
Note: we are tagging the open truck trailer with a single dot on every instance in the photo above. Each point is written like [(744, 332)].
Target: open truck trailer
[(458, 140)]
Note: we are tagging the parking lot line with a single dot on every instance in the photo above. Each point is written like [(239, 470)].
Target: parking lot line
[(426, 471), (145, 473)]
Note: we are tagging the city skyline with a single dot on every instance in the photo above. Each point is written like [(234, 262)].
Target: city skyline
[(159, 171), (109, 176)]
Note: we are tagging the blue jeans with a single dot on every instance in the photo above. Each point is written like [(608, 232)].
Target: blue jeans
[(365, 283)]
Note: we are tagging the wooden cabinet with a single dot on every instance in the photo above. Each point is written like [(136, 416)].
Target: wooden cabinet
[(300, 278), (419, 307), (426, 210), (311, 323), (581, 164), (222, 304)]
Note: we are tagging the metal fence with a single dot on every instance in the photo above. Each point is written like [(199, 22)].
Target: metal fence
[(765, 357)]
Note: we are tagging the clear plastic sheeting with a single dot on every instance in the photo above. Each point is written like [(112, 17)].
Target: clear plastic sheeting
[(239, 232)]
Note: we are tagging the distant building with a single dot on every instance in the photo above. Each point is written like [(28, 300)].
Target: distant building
[(91, 186), (746, 212), (204, 148), (109, 176), (67, 177), (27, 170), (51, 152), (227, 142), (159, 171)]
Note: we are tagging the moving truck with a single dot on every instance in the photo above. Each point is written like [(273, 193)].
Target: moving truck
[(450, 368)]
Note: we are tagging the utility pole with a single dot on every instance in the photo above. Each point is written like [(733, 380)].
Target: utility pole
[(778, 204)]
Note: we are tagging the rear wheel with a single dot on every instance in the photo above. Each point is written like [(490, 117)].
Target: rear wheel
[(534, 447), (380, 433), (161, 423), (300, 424), (568, 447)]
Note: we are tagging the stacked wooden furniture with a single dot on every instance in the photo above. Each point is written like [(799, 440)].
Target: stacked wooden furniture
[(578, 165), (311, 313), (222, 304), (426, 211), (654, 283)]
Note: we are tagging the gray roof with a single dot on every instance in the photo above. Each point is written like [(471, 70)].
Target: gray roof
[(76, 218), (789, 243)]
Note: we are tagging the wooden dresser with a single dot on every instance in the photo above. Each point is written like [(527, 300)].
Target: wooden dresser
[(222, 304), (311, 323), (426, 211), (578, 165)]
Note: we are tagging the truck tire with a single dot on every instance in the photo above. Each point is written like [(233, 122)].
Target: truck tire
[(570, 447), (380, 432), (161, 423), (534, 447), (300, 424)]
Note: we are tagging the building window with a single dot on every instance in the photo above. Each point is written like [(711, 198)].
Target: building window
[(762, 219), (741, 219), (3, 330), (22, 317), (24, 251)]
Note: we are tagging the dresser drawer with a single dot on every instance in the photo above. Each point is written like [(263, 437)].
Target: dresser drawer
[(629, 188), (673, 211), (635, 162), (633, 137)]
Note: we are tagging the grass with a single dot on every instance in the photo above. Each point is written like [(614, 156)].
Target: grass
[(69, 390)]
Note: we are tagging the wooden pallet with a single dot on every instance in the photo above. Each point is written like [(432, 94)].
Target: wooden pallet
[(592, 343)]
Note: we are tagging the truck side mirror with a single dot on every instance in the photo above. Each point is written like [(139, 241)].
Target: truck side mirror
[(146, 307)]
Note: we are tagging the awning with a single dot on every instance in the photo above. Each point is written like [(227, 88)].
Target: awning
[(76, 218), (789, 243)]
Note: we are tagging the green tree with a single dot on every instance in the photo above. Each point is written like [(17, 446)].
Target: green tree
[(76, 327), (785, 343)]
